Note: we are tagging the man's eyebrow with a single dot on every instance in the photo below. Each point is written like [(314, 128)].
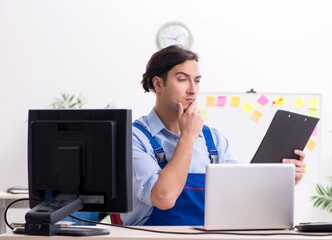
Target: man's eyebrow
[(186, 74)]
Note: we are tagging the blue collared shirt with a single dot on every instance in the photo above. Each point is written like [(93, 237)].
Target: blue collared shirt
[(146, 169)]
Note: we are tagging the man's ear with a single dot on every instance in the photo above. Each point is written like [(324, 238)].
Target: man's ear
[(157, 81)]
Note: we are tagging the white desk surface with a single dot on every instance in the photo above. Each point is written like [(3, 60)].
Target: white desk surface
[(10, 196), (117, 233), (121, 233)]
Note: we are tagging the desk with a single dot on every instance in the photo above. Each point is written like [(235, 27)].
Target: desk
[(121, 234), (5, 200)]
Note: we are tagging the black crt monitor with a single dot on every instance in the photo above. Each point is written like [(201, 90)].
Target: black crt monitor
[(78, 160)]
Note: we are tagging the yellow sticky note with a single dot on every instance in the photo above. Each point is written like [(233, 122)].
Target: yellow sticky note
[(298, 102), (313, 112), (256, 116), (280, 101), (247, 107), (235, 101), (313, 103), (210, 101), (204, 113), (311, 144)]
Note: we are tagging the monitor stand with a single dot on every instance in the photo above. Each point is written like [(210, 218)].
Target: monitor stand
[(72, 231), (43, 219)]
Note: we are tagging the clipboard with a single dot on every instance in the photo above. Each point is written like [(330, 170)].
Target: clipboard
[(287, 131)]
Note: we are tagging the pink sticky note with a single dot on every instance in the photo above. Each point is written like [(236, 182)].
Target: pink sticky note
[(262, 100), (314, 132), (221, 100)]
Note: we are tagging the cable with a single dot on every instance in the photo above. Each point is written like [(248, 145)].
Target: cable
[(9, 205), (203, 232)]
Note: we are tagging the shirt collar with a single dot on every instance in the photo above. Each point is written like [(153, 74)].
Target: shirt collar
[(154, 122)]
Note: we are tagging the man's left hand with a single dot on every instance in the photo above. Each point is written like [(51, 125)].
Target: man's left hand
[(299, 165)]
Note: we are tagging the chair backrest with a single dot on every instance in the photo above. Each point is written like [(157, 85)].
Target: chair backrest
[(116, 219)]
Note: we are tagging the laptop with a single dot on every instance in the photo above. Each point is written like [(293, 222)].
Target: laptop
[(249, 196)]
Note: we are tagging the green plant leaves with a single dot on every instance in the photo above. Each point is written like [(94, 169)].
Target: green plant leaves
[(73, 101), (323, 199), (69, 101)]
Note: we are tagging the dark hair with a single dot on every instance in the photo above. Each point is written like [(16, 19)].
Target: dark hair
[(163, 61)]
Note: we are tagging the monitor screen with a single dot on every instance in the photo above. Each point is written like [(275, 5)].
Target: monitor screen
[(78, 160)]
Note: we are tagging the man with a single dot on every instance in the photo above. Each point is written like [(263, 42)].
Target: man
[(171, 146)]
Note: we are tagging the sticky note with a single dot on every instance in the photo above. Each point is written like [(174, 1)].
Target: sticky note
[(247, 107), (313, 103), (313, 112), (262, 100), (204, 112), (210, 101), (311, 144), (279, 102), (221, 101), (256, 116), (314, 132), (298, 102), (235, 101)]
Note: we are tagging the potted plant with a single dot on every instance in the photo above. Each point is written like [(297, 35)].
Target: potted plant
[(323, 197), (68, 101), (72, 101)]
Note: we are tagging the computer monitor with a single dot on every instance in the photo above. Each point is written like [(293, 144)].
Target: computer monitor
[(78, 160)]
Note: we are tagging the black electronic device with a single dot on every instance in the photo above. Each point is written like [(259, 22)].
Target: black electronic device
[(78, 160), (314, 227)]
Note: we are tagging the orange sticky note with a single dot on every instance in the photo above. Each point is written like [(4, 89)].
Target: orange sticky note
[(210, 101), (311, 144), (235, 101), (256, 116)]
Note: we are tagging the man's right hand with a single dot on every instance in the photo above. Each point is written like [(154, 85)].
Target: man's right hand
[(190, 121)]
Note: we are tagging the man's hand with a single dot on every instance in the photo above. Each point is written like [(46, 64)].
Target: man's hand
[(190, 121), (299, 165)]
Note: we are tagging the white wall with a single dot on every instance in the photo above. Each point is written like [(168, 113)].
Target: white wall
[(99, 49)]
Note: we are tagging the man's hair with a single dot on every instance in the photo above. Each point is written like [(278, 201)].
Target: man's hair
[(163, 61)]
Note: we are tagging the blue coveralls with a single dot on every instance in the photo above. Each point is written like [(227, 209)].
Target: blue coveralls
[(189, 207)]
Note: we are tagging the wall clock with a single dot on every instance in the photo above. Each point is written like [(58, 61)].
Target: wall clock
[(174, 33)]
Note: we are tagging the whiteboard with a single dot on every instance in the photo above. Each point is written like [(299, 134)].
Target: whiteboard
[(243, 118)]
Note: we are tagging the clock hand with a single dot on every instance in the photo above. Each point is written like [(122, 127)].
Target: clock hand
[(181, 35), (171, 38)]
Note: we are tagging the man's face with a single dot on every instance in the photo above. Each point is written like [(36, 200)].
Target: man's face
[(182, 85)]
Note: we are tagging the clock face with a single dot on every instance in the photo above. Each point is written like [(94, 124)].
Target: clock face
[(174, 33)]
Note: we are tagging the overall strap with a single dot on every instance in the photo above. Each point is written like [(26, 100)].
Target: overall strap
[(213, 152), (158, 150)]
